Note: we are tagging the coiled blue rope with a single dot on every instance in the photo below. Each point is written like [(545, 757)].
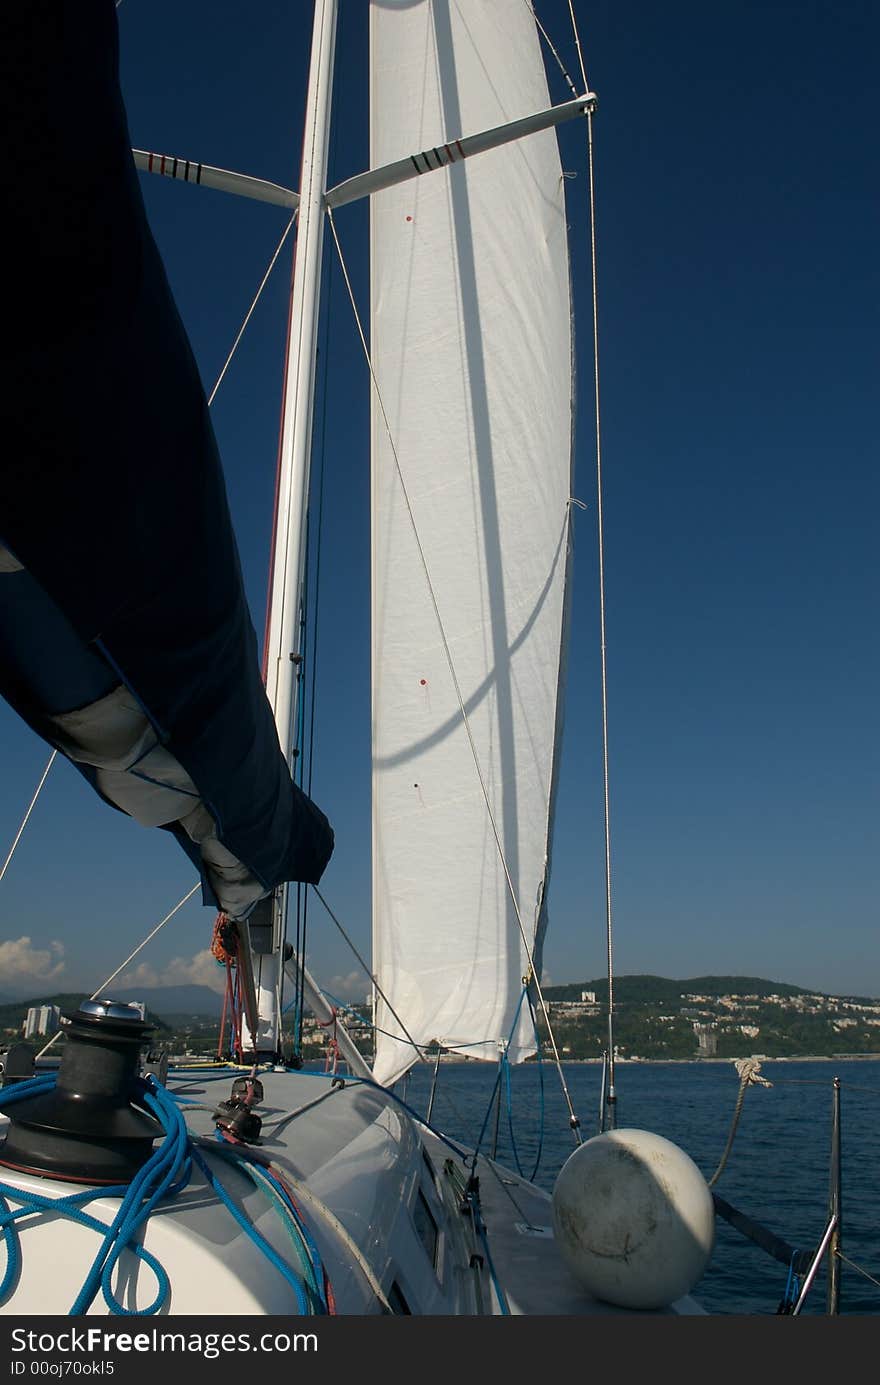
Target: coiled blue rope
[(166, 1172), (138, 1198)]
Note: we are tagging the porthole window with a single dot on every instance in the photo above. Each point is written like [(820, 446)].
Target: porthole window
[(426, 1226), (396, 1300)]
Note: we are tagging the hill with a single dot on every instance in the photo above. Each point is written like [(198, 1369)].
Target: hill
[(176, 1001), (14, 1013), (662, 990)]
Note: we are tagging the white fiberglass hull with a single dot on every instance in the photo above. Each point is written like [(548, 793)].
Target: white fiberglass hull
[(379, 1194)]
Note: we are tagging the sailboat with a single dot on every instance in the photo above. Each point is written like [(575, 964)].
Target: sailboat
[(256, 1186)]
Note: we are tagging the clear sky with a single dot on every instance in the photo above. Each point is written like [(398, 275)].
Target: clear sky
[(738, 228)]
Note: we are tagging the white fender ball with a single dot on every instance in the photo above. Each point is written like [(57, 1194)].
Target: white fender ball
[(633, 1219)]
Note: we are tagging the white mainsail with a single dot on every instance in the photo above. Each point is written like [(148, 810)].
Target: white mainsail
[(472, 351)]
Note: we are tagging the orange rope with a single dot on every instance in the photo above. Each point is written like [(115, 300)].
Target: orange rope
[(331, 1062), (224, 948)]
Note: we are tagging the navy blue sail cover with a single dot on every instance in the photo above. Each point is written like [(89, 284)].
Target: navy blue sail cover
[(122, 567)]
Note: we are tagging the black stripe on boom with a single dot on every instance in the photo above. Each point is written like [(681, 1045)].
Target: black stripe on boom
[(199, 174), (415, 164), (174, 169)]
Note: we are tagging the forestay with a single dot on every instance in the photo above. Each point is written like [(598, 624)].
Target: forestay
[(471, 342)]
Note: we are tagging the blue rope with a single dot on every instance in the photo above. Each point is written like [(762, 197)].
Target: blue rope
[(305, 1244), (303, 1299), (168, 1162), (792, 1287), (69, 1207), (19, 1090), (496, 1085), (507, 1066), (166, 1173), (502, 1297)]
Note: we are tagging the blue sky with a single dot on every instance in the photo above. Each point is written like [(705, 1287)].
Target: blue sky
[(738, 224)]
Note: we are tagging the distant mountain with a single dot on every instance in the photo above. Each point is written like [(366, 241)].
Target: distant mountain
[(175, 1005), (14, 1012), (176, 1000), (159, 1000)]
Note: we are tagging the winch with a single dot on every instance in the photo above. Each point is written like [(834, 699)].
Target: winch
[(89, 1128)]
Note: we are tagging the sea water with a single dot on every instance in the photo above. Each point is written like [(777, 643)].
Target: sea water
[(777, 1171)]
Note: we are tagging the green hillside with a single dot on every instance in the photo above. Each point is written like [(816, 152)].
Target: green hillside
[(14, 1013), (662, 990)]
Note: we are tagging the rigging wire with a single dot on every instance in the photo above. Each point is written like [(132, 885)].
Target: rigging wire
[(54, 754), (577, 43), (533, 977), (555, 51), (113, 975), (24, 820), (250, 311), (419, 1053), (610, 1095)]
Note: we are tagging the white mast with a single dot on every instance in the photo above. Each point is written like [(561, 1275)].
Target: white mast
[(293, 481)]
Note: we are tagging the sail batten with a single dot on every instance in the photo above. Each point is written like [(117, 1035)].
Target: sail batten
[(471, 344)]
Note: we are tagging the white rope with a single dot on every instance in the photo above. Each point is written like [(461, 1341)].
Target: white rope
[(321, 1208), (451, 666), (749, 1070), (49, 765)]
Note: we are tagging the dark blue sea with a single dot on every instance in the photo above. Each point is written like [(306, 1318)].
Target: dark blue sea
[(777, 1171)]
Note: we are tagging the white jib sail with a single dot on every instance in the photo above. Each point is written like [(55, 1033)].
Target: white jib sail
[(471, 342)]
